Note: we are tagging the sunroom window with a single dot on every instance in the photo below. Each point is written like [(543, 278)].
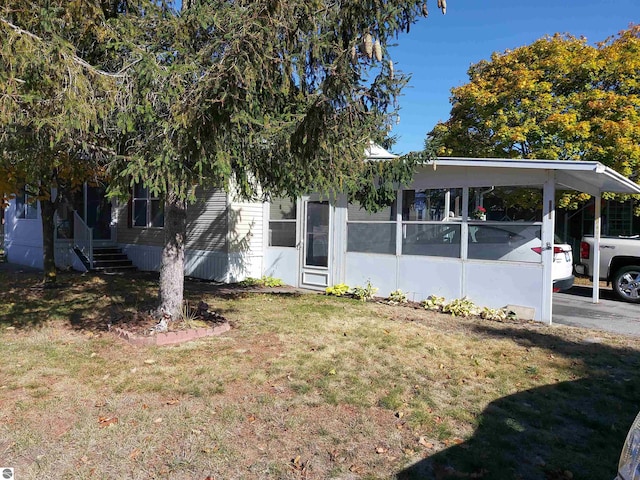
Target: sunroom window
[(282, 222), (371, 232)]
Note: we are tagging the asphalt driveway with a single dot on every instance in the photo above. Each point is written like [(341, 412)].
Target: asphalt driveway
[(574, 308)]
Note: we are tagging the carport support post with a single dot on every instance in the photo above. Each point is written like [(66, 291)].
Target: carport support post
[(597, 225), (548, 223)]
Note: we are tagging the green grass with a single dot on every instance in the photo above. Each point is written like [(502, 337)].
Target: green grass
[(356, 390)]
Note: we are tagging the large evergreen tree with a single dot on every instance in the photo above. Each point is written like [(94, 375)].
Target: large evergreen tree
[(274, 97)]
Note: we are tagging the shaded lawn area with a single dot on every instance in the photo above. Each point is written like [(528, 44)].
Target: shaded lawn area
[(304, 386)]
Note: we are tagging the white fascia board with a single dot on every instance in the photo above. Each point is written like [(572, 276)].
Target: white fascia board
[(626, 185), (605, 179), (534, 164)]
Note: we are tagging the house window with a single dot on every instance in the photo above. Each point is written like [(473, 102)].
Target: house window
[(26, 206), (282, 223), (148, 210)]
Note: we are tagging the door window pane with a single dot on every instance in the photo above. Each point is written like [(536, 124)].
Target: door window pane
[(317, 234)]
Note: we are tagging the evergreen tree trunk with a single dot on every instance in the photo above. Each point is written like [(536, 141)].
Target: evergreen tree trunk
[(172, 269), (47, 211)]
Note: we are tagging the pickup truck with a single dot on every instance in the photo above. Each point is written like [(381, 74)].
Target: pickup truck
[(619, 264)]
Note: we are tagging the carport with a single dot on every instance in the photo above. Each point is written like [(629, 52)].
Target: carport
[(589, 177)]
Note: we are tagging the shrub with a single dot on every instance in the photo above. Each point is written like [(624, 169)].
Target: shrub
[(262, 282), (499, 314), (433, 302), (397, 296), (364, 293), (460, 307), (337, 290)]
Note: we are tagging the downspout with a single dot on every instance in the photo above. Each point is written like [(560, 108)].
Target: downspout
[(482, 194)]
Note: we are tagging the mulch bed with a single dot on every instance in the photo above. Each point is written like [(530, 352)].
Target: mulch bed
[(141, 328)]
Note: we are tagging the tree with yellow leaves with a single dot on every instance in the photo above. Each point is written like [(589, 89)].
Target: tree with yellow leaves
[(558, 98)]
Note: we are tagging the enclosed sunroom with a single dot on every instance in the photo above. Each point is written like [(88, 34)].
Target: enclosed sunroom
[(476, 228)]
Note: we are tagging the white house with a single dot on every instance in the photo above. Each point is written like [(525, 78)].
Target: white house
[(434, 240)]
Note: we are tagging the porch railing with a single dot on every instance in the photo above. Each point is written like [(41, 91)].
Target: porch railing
[(83, 237)]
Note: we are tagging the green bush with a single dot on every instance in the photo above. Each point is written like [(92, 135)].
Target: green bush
[(460, 307), (433, 302), (397, 296), (337, 290), (364, 293), (262, 282)]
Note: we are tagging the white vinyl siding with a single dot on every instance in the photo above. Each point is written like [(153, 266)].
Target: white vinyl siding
[(207, 221)]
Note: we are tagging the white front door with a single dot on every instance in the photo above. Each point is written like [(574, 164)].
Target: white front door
[(316, 244)]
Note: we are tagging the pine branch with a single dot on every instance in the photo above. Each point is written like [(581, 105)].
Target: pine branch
[(75, 58)]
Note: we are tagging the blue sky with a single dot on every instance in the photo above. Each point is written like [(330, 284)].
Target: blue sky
[(440, 48)]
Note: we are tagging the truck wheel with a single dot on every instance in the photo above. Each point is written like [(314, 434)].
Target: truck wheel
[(626, 283)]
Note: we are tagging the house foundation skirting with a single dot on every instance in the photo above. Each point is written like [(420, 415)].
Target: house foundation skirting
[(206, 265)]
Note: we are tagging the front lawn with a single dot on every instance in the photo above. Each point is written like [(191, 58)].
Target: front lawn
[(303, 387)]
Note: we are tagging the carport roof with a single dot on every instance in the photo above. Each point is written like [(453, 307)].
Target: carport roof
[(589, 177)]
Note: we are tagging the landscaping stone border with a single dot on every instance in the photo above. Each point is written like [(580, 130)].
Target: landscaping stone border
[(171, 338)]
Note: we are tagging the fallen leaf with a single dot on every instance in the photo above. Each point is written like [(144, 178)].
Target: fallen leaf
[(213, 449), (107, 421), (251, 418), (423, 441), (332, 371), (297, 465)]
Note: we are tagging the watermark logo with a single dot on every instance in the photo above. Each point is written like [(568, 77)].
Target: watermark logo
[(6, 473)]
